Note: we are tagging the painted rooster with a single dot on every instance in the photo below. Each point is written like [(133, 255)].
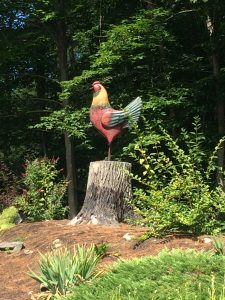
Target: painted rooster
[(108, 121)]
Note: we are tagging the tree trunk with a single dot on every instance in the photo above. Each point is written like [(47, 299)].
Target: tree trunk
[(219, 100), (108, 194), (62, 46), (41, 89), (220, 117)]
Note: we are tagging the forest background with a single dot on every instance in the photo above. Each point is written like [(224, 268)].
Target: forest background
[(171, 53)]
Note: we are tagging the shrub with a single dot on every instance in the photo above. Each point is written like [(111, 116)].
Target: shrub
[(62, 269), (101, 249), (8, 189), (43, 194), (185, 275), (218, 245), (8, 217), (176, 190)]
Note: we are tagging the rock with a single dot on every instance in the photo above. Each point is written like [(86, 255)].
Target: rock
[(207, 240), (57, 243), (94, 220), (128, 237), (19, 218), (14, 246), (26, 251)]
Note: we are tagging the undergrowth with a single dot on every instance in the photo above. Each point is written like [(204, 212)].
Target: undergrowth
[(183, 275), (8, 218), (176, 188), (8, 186), (62, 269), (43, 192)]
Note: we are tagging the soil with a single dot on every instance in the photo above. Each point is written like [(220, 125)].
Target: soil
[(44, 236)]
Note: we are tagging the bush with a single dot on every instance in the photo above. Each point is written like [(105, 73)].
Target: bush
[(183, 275), (176, 191), (43, 194), (8, 218), (8, 189), (61, 269)]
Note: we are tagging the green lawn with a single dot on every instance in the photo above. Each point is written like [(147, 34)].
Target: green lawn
[(183, 275)]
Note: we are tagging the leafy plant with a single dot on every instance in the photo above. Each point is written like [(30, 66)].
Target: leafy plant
[(75, 122), (43, 193), (213, 292), (62, 269), (218, 246), (175, 274), (101, 249), (8, 217), (117, 295), (8, 187), (176, 191)]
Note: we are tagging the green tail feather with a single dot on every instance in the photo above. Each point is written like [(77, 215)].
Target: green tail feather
[(128, 116), (133, 111)]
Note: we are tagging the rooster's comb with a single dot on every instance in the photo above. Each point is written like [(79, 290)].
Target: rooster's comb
[(96, 82)]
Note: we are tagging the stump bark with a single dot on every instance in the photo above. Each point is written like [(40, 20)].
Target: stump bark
[(108, 194)]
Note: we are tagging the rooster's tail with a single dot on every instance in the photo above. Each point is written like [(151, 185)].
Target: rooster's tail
[(133, 110)]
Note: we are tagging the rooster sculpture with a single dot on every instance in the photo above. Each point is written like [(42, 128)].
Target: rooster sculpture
[(108, 121)]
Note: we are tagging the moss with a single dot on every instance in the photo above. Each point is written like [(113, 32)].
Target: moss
[(8, 217)]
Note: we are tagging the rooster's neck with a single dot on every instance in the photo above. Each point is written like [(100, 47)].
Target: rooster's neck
[(100, 99)]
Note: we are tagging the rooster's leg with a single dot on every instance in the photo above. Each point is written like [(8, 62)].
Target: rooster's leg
[(109, 152)]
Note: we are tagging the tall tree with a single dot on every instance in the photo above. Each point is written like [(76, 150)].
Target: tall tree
[(207, 22), (62, 46)]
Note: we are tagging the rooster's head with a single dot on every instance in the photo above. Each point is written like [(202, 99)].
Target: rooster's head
[(100, 96)]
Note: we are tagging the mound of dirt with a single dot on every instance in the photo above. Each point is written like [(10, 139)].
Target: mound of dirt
[(123, 240)]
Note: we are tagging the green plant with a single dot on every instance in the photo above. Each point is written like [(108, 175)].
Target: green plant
[(8, 217), (101, 249), (175, 190), (62, 269), (117, 295), (8, 188), (213, 291), (176, 274), (218, 246), (43, 193)]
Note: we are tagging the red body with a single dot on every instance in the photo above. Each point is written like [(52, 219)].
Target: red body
[(100, 122)]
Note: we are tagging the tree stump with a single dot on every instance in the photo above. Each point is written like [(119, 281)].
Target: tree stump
[(108, 194)]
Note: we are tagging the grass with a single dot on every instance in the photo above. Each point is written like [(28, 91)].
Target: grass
[(181, 275)]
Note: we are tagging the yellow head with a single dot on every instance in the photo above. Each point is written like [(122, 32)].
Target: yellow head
[(100, 95)]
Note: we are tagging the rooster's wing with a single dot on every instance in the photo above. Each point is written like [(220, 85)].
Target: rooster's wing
[(127, 117)]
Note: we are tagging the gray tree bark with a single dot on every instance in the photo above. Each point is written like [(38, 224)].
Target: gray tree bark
[(210, 23), (62, 45), (108, 195), (220, 118)]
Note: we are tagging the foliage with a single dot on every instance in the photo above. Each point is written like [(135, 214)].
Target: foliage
[(8, 187), (8, 217), (42, 198), (101, 249), (218, 245), (170, 275), (125, 57), (62, 269), (75, 123), (168, 52), (176, 190)]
